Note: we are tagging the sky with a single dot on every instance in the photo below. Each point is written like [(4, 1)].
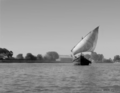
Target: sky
[(39, 26)]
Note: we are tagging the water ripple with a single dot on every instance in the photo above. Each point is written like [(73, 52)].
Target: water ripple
[(59, 78)]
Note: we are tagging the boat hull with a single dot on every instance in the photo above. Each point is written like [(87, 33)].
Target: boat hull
[(82, 61)]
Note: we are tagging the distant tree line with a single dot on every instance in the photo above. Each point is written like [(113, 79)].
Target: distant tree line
[(8, 55), (5, 53), (99, 58)]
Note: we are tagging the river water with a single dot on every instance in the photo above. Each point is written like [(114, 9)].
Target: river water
[(59, 78)]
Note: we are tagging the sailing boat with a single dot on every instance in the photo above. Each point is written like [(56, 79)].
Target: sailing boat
[(87, 44)]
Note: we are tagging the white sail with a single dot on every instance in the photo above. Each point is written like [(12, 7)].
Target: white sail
[(87, 44)]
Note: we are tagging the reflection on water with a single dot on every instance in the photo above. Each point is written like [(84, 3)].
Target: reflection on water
[(59, 78)]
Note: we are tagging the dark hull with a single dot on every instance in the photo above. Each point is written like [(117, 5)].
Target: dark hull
[(82, 61)]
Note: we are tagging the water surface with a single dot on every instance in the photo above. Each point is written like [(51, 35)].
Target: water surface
[(59, 78)]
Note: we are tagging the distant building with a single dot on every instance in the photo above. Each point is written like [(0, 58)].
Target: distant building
[(65, 58)]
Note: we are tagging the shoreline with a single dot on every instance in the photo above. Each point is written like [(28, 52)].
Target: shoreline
[(33, 61)]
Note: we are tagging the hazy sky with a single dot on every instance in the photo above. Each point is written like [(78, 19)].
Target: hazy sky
[(39, 26)]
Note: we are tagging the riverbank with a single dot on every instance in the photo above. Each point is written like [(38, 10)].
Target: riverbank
[(33, 61), (63, 60)]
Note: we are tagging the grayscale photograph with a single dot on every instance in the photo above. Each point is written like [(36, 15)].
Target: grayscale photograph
[(59, 46)]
